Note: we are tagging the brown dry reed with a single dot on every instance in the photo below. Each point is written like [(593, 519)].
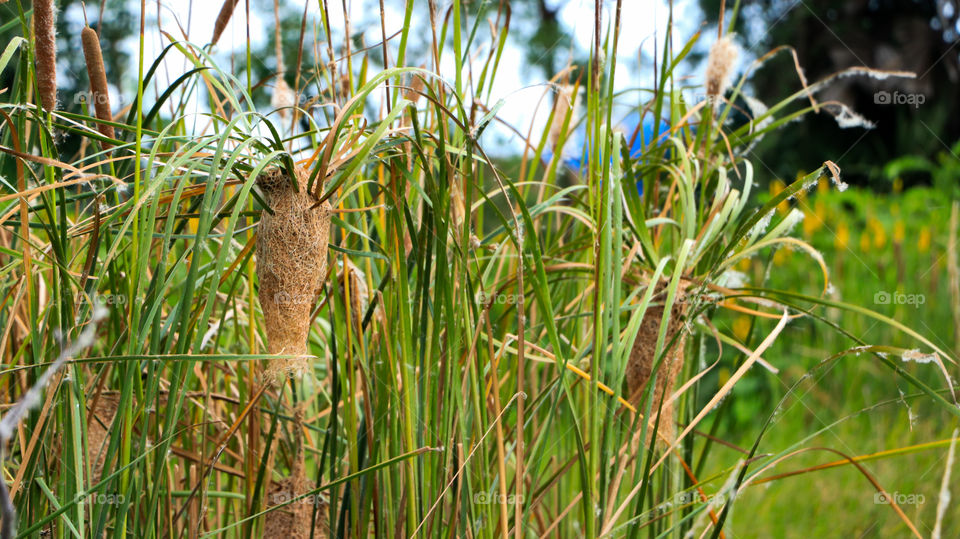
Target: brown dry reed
[(643, 357), (45, 52), (352, 277), (98, 82), (562, 106), (226, 12), (291, 264)]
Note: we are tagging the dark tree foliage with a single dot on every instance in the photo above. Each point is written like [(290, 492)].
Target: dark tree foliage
[(547, 41), (912, 35), (117, 29)]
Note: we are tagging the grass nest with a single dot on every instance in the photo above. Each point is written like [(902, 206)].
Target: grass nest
[(640, 366), (291, 266)]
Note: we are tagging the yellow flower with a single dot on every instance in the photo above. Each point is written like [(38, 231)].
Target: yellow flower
[(801, 194), (923, 242), (776, 186), (842, 237), (743, 265), (813, 221), (741, 327), (823, 185), (880, 238), (865, 242), (879, 234), (780, 257), (898, 232), (723, 376)]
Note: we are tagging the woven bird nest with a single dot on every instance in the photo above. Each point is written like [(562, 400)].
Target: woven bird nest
[(295, 520), (643, 357), (291, 264)]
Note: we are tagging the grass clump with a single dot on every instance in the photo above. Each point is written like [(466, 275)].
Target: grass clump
[(353, 321)]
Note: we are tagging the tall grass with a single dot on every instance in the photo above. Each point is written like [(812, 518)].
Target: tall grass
[(474, 322)]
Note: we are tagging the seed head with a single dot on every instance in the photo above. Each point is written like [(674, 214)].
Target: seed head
[(45, 45), (98, 81), (226, 12), (723, 55)]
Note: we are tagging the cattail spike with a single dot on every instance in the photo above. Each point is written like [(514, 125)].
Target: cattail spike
[(45, 51), (98, 81), (226, 12), (720, 63)]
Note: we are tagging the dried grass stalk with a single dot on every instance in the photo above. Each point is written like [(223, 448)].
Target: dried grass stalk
[(291, 263), (562, 106), (643, 356), (223, 19), (98, 82), (359, 296), (45, 51)]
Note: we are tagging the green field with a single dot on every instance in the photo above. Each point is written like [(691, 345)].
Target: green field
[(332, 283)]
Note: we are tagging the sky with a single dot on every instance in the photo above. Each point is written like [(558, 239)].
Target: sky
[(519, 86)]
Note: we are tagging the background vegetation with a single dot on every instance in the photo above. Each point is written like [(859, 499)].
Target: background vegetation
[(471, 339)]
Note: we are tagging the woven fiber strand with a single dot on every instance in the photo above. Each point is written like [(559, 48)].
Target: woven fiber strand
[(643, 356), (291, 263)]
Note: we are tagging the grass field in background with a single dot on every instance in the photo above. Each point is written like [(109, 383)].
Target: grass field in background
[(470, 356)]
